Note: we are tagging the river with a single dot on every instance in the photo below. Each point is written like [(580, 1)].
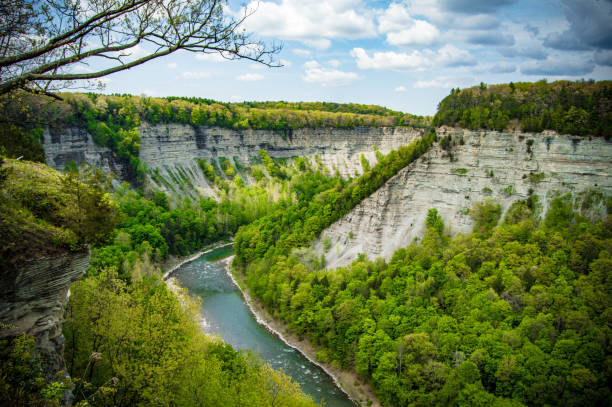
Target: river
[(226, 315)]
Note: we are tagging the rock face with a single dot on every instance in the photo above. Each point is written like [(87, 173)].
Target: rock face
[(75, 144), (171, 151), (33, 300), (501, 166)]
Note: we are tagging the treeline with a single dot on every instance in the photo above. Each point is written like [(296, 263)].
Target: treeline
[(321, 201), (581, 108), (130, 110), (515, 314)]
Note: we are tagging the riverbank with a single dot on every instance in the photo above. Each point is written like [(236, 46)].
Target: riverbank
[(346, 381), (173, 263)]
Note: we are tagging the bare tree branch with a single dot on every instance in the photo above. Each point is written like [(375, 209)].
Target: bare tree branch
[(43, 40)]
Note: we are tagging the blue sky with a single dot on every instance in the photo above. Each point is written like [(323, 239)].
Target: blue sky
[(405, 55)]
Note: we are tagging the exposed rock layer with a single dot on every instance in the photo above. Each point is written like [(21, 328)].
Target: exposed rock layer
[(501, 166), (171, 151), (33, 300), (75, 144)]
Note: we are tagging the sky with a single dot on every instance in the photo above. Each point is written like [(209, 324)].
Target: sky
[(404, 55)]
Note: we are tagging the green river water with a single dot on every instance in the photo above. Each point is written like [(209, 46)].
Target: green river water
[(225, 314)]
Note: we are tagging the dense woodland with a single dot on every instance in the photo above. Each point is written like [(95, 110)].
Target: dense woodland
[(579, 108), (515, 314)]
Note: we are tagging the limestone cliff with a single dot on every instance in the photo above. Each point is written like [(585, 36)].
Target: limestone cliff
[(33, 300), (482, 164), (171, 151), (75, 144)]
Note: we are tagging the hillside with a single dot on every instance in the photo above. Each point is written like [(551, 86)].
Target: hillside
[(578, 108)]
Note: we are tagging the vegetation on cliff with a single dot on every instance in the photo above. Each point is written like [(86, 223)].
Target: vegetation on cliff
[(515, 314), (321, 201), (43, 212), (580, 108), (138, 344)]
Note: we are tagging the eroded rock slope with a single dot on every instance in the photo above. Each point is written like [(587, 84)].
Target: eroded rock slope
[(171, 151), (33, 300), (483, 164)]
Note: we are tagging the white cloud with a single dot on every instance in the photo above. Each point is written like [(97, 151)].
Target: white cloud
[(214, 57), (394, 18), (447, 56), (419, 33), (334, 63), (285, 63), (81, 68), (312, 21), (390, 60), (503, 67), (401, 89), (402, 29), (250, 77), (172, 65), (435, 83), (302, 52), (315, 73), (196, 75)]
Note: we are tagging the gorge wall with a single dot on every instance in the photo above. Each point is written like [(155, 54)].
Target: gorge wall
[(482, 164), (33, 302), (76, 144), (171, 151)]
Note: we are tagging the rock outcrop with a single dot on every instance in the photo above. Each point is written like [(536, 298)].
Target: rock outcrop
[(502, 166), (171, 151), (33, 300), (76, 144)]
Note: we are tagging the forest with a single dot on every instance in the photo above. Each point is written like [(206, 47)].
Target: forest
[(579, 108), (515, 313), (113, 120)]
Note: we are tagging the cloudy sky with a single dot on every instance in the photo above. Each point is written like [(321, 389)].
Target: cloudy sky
[(404, 55)]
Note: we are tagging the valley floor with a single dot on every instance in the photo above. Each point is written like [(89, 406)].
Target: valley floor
[(348, 381)]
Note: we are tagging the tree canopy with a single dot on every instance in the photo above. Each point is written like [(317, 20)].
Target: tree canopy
[(581, 108)]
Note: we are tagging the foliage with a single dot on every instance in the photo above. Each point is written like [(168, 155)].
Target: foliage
[(149, 231), (44, 213), (140, 344), (459, 171), (485, 215), (580, 108), (518, 315), (18, 142), (129, 110), (21, 379)]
